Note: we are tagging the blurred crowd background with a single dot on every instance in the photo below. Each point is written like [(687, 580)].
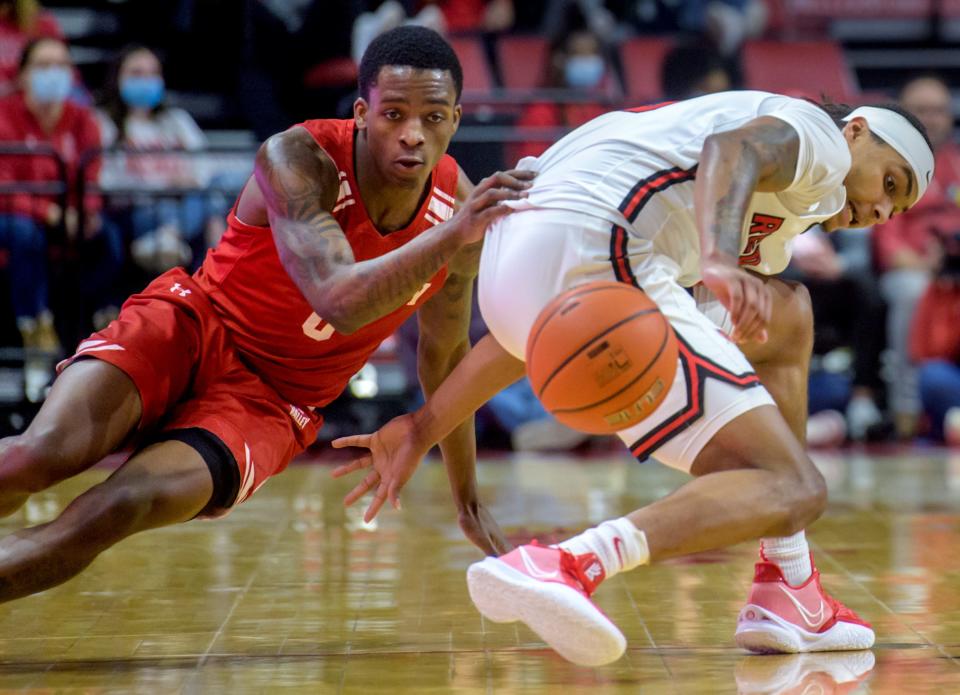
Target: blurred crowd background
[(127, 127)]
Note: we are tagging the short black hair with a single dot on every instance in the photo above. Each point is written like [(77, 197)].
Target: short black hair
[(685, 66), (410, 46), (840, 111)]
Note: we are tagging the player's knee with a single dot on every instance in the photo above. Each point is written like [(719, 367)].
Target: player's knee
[(807, 500), (791, 328), (32, 461)]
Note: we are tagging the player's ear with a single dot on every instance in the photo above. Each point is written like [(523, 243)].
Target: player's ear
[(457, 113), (856, 128), (360, 109)]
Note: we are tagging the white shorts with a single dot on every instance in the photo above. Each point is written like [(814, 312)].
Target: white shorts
[(531, 256)]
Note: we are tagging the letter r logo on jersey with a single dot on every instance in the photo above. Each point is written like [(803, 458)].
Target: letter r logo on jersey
[(761, 226)]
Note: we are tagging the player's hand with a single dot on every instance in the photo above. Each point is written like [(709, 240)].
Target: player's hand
[(393, 454), (479, 527), (484, 204), (745, 296)]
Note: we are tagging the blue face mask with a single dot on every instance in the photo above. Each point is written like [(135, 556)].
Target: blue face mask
[(583, 72), (50, 85), (141, 92)]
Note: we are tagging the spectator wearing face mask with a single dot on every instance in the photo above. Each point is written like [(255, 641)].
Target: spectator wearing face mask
[(166, 231), (578, 65), (38, 113)]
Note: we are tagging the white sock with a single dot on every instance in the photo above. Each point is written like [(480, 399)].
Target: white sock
[(791, 555), (618, 544)]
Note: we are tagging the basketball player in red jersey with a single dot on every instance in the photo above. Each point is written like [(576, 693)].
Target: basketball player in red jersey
[(345, 229)]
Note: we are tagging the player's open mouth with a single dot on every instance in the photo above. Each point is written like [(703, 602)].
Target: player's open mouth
[(409, 163)]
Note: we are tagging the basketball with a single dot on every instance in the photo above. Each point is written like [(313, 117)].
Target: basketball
[(601, 357)]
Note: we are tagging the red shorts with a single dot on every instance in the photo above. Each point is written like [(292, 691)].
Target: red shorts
[(169, 340)]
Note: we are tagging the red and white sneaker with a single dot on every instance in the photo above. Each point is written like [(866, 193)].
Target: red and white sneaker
[(549, 589), (783, 618)]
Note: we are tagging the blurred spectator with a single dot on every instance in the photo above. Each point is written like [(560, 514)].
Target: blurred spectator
[(848, 341), (907, 249), (691, 70), (39, 114), (577, 64), (727, 23), (21, 21), (475, 15), (389, 15), (166, 231), (935, 345)]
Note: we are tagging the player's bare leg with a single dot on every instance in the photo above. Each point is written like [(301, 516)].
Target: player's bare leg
[(92, 407), (164, 484), (753, 480), (783, 362)]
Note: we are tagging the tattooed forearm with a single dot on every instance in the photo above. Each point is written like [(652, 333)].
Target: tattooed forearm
[(300, 185), (731, 208), (761, 156)]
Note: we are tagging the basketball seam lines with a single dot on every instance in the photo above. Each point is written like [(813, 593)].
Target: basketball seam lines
[(653, 361), (590, 342), (576, 292)]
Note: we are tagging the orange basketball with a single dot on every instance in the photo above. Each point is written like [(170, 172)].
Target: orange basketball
[(601, 357)]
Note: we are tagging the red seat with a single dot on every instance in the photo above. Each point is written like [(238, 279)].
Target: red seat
[(642, 60), (336, 72), (523, 61), (861, 9), (477, 77), (807, 68)]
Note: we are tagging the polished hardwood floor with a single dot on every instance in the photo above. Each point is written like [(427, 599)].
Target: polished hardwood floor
[(292, 593)]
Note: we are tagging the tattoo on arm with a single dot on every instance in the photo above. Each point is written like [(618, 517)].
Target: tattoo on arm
[(300, 185), (761, 156)]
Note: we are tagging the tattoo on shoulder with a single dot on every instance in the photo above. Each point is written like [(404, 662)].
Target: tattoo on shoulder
[(777, 145)]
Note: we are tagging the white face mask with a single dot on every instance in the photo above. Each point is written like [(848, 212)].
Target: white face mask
[(583, 72), (50, 85)]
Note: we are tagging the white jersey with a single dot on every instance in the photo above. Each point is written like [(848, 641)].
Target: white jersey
[(636, 170)]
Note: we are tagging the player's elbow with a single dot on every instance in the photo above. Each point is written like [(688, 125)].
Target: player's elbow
[(341, 320)]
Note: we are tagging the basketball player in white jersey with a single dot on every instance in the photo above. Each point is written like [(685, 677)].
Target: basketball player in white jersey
[(705, 194)]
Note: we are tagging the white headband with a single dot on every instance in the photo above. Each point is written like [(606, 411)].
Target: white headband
[(896, 131)]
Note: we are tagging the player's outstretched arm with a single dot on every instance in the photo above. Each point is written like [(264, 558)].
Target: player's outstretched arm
[(396, 449), (759, 156), (300, 183)]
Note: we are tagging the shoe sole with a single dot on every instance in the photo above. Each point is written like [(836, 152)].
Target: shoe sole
[(561, 616), (761, 631)]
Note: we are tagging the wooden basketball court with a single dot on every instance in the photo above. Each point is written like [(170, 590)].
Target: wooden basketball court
[(291, 593)]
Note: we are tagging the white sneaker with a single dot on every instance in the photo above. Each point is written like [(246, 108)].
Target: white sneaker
[(951, 427), (828, 428), (797, 674), (546, 435), (862, 414)]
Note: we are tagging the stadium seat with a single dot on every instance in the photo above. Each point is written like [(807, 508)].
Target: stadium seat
[(477, 77), (642, 58), (862, 20), (522, 61), (803, 68)]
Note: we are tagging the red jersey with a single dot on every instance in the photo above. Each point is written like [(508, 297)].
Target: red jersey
[(74, 135), (275, 330)]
